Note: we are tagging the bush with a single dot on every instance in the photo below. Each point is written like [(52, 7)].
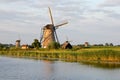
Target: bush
[(36, 44), (54, 45)]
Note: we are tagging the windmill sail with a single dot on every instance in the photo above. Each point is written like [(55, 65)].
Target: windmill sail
[(56, 37), (61, 24), (41, 35), (51, 17)]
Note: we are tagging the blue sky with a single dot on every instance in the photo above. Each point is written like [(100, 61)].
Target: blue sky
[(94, 21)]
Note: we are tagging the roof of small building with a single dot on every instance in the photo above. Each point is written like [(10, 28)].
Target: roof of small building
[(66, 45)]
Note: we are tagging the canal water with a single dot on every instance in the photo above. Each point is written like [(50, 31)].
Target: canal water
[(30, 69)]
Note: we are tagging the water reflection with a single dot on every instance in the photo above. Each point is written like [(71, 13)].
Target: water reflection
[(103, 65), (48, 69), (25, 69), (97, 64)]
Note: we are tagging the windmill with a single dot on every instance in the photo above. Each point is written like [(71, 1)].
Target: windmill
[(49, 32)]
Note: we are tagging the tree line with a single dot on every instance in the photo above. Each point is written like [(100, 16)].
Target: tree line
[(36, 44)]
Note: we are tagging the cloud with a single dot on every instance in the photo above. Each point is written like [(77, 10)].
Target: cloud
[(87, 21), (7, 1), (110, 3), (105, 13), (11, 1)]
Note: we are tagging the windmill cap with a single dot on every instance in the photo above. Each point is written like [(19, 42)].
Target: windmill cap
[(48, 26), (17, 40)]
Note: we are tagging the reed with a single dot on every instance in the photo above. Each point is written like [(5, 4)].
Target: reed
[(82, 55)]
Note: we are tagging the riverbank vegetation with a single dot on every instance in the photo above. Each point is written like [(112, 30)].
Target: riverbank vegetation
[(93, 54)]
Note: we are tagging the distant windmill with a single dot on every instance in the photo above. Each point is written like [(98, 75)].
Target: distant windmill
[(17, 44), (49, 32)]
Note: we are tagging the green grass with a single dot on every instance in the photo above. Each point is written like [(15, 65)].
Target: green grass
[(99, 54)]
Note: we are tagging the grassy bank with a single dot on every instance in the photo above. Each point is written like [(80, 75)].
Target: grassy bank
[(97, 54)]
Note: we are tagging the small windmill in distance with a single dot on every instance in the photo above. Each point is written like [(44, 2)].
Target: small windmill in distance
[(49, 34), (17, 44)]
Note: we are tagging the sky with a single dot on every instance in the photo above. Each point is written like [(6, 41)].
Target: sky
[(93, 21)]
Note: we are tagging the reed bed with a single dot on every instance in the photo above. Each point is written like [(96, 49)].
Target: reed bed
[(82, 55)]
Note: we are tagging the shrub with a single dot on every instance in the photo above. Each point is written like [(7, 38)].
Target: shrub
[(54, 45)]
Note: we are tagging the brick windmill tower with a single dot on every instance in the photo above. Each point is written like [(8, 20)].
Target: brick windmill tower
[(49, 34)]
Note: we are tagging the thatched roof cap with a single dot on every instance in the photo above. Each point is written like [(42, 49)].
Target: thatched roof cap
[(48, 26), (17, 40)]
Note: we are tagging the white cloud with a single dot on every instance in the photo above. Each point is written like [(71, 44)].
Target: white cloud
[(7, 1), (85, 21)]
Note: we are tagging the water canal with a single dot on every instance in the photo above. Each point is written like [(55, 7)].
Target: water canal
[(30, 69)]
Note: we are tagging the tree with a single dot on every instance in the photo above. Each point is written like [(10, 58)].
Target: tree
[(36, 44), (1, 46), (106, 44), (111, 44)]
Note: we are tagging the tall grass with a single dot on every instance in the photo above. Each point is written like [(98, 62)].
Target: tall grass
[(88, 54)]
